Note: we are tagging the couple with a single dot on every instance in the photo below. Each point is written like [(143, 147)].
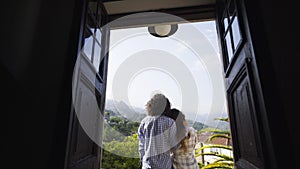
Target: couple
[(165, 141)]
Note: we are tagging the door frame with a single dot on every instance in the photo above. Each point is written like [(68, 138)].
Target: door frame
[(192, 14)]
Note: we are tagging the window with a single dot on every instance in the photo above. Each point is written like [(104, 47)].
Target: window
[(232, 37), (93, 47)]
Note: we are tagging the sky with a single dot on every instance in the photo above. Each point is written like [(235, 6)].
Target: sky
[(186, 67)]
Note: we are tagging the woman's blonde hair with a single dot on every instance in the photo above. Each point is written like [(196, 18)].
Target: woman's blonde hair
[(184, 140), (184, 144), (181, 134)]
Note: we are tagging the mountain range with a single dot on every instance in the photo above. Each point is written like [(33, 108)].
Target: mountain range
[(120, 108), (132, 113)]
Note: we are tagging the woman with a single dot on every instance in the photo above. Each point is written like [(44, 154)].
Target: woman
[(184, 156)]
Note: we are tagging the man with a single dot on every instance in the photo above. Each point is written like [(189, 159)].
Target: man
[(157, 135)]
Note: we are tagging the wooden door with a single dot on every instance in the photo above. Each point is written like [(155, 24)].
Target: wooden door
[(89, 85), (248, 123)]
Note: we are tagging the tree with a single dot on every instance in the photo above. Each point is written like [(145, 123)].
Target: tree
[(117, 128), (121, 154), (111, 134)]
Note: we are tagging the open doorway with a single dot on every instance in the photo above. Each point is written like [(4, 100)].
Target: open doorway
[(249, 121), (187, 68)]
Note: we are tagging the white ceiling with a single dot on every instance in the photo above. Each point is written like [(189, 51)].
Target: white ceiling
[(129, 6)]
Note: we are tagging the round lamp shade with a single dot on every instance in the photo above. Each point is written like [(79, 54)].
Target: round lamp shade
[(163, 30)]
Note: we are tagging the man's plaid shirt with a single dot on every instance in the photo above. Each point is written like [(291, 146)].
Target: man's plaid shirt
[(156, 137)]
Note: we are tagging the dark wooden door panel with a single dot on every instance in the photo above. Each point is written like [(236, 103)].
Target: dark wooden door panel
[(83, 146), (243, 87), (85, 163), (89, 85), (244, 121)]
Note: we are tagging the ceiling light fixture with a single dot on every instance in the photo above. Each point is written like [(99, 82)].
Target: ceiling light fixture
[(162, 31)]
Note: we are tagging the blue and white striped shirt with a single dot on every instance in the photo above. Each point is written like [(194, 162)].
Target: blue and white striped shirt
[(156, 138)]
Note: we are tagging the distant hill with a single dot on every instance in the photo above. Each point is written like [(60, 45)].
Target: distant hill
[(223, 125), (196, 125), (122, 109), (208, 120), (199, 126)]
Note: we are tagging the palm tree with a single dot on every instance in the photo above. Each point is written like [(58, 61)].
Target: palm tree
[(223, 160)]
